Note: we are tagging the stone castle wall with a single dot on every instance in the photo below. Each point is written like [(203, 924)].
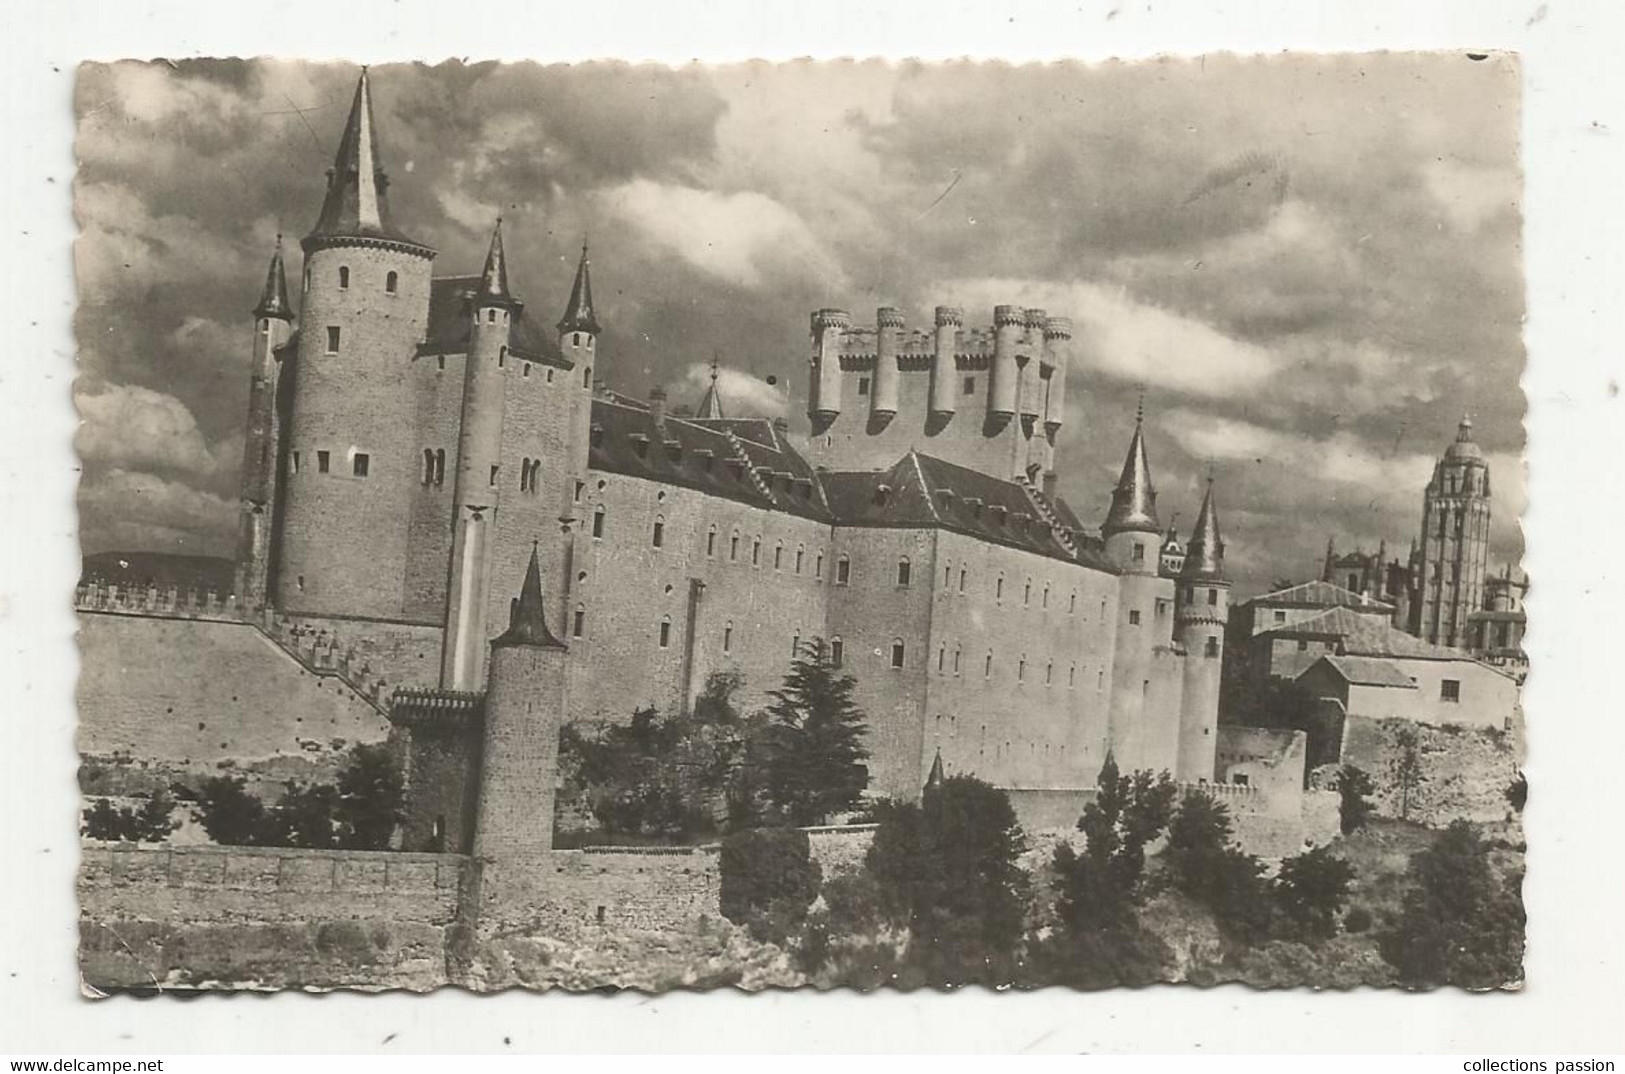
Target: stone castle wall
[(576, 894)]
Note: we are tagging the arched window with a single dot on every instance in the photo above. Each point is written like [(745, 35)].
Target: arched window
[(987, 665), (1021, 668), (586, 377), (956, 660), (998, 588), (491, 316), (665, 632), (778, 556), (942, 657), (1071, 676), (1049, 672), (818, 567), (843, 570), (391, 281), (1045, 602), (963, 575), (575, 339), (658, 538), (897, 652), (837, 652), (903, 571), (1071, 603), (578, 625), (502, 360), (800, 555), (711, 541), (733, 546), (756, 551), (344, 277), (598, 521)]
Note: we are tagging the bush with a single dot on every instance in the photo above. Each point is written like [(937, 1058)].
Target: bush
[(1459, 925), (1357, 920), (1354, 788), (233, 817), (769, 881), (1310, 890), (149, 824)]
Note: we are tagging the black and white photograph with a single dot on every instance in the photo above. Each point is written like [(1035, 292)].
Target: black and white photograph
[(882, 525)]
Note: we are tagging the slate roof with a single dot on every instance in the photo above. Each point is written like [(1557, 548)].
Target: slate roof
[(449, 326), (1321, 595), (1367, 671)]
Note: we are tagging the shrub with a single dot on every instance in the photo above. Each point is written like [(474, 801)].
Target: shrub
[(1354, 788), (1201, 862), (231, 815), (1357, 920), (1100, 887), (1310, 890), (768, 881), (149, 824)]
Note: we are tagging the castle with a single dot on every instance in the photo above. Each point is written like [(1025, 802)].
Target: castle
[(420, 448)]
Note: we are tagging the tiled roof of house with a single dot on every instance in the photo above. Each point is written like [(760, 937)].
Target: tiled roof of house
[(1361, 635), (1368, 671), (1321, 595)]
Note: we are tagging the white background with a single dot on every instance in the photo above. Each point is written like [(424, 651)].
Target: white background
[(1574, 120)]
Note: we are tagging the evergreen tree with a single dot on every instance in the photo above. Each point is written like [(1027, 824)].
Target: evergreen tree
[(149, 824), (1100, 887), (1354, 788), (1202, 863), (1311, 889), (233, 817), (1406, 768), (304, 817), (370, 800), (815, 753), (1459, 925)]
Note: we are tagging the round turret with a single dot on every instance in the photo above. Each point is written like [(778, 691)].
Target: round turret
[(888, 327), (1009, 328), (949, 320), (824, 391)]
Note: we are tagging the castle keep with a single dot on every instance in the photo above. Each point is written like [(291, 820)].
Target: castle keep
[(422, 447)]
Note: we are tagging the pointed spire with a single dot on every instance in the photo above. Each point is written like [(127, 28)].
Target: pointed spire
[(1134, 501), (274, 299), (356, 205), (527, 621), (1204, 556), (711, 402), (494, 277), (933, 781), (578, 315)]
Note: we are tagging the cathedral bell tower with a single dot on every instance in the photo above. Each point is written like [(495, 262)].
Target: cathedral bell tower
[(1455, 545)]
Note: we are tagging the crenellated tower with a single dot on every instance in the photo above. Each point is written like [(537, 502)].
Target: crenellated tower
[(1201, 610), (262, 445), (1455, 541), (477, 493), (1132, 534), (351, 443)]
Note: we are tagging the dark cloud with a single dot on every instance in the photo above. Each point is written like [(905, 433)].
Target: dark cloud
[(1319, 255)]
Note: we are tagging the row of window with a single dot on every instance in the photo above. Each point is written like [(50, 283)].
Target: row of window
[(967, 388), (360, 463), (392, 280)]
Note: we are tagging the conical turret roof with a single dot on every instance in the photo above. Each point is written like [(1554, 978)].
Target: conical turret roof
[(357, 202), (1134, 500), (527, 621), (493, 289), (578, 315), (274, 299), (711, 402), (1204, 557)]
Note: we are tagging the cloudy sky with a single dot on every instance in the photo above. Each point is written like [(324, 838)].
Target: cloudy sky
[(1310, 267)]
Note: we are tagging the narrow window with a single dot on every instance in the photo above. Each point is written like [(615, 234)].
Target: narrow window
[(1071, 676), (902, 571), (265, 326), (332, 339), (778, 556), (1213, 596), (550, 376), (428, 466), (733, 547), (998, 588), (1212, 646), (578, 626), (344, 277), (897, 652), (837, 652), (795, 645), (956, 661), (728, 638), (293, 463), (1049, 672), (800, 555), (599, 915), (843, 571), (863, 385), (818, 566), (598, 521), (439, 467), (963, 574), (947, 577), (711, 541), (970, 385), (359, 464), (1137, 555), (987, 667), (440, 363), (494, 471), (586, 378), (1027, 593), (581, 486), (322, 459), (1044, 601), (1134, 617), (942, 657), (575, 339), (1071, 603), (1021, 669), (390, 282), (491, 316), (659, 537), (665, 632), (526, 371), (756, 552)]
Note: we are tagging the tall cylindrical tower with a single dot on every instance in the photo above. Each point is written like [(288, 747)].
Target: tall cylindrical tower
[(943, 371), (273, 319), (1058, 344), (1009, 328), (351, 442), (1131, 531), (888, 328), (524, 708), (1201, 610), (477, 494), (824, 391), (1030, 394), (578, 341)]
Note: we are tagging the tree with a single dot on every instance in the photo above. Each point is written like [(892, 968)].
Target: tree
[(149, 824), (1406, 769), (371, 799), (1354, 788), (815, 753), (1100, 887), (231, 816), (1458, 924), (946, 868), (769, 881), (1202, 863), (304, 817), (1310, 890)]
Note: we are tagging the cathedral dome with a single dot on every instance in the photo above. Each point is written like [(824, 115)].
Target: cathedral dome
[(1464, 449)]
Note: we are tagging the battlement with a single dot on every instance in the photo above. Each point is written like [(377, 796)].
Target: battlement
[(415, 706), (170, 602)]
